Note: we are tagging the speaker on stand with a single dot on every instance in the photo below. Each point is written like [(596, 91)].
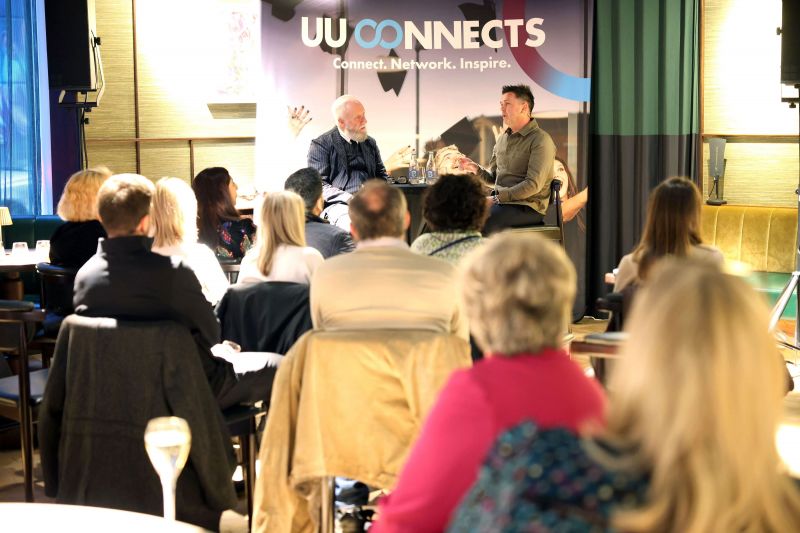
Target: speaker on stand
[(74, 63)]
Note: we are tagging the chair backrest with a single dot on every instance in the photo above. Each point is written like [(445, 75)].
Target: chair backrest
[(108, 379), (57, 284), (348, 403), (553, 226), (265, 316), (618, 304), (231, 268)]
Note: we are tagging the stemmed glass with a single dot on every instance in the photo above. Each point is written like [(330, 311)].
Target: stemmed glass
[(168, 440)]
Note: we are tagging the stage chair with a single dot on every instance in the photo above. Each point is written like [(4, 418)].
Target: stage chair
[(350, 404), (554, 230), (21, 395)]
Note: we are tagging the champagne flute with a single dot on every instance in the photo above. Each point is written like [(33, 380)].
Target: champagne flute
[(167, 440)]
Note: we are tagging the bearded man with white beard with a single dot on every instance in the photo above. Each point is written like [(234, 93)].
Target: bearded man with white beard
[(345, 157)]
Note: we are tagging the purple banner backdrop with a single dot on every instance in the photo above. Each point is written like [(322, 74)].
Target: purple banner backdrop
[(433, 67)]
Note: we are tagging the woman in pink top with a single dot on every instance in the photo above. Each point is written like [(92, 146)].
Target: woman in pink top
[(518, 300)]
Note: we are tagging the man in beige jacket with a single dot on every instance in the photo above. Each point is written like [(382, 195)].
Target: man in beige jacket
[(383, 284)]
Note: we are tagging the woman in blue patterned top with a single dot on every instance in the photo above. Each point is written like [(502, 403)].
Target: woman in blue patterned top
[(690, 440), (219, 224)]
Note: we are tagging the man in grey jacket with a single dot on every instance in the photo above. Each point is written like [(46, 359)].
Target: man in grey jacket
[(330, 240)]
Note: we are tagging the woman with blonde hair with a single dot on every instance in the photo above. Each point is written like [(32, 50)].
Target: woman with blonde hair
[(75, 241), (690, 439), (174, 222), (280, 253), (517, 292), (672, 228)]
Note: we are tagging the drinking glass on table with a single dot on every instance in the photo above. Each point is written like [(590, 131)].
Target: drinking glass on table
[(19, 248), (43, 249), (168, 440)]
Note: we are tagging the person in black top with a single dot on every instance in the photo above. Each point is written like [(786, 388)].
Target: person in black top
[(220, 227), (330, 240), (75, 241), (126, 281)]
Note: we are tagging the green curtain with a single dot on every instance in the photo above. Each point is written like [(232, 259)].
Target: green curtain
[(644, 120)]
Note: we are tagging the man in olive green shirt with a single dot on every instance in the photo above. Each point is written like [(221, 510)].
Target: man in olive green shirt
[(521, 167)]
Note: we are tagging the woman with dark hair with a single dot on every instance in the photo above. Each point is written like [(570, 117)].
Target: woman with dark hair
[(455, 209), (672, 228), (572, 201), (572, 204), (218, 222)]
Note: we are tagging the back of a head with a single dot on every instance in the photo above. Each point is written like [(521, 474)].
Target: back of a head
[(378, 210), (78, 202), (174, 213), (518, 291), (122, 202), (281, 221), (455, 203), (307, 183), (673, 222), (697, 399)]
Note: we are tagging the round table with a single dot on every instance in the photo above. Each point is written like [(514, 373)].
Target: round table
[(69, 518)]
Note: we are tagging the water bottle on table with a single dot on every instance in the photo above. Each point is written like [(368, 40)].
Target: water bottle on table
[(430, 169), (413, 168)]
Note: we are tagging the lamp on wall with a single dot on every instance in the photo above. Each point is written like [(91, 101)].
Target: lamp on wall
[(5, 220)]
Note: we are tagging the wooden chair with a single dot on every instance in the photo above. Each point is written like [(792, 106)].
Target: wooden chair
[(20, 395)]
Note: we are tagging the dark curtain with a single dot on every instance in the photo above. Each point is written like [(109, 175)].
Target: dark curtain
[(644, 120)]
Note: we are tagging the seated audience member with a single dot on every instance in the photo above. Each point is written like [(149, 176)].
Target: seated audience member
[(330, 240), (221, 227), (125, 280), (572, 201), (572, 204), (672, 228), (75, 241), (690, 437), (383, 284), (455, 209), (518, 302), (281, 253), (175, 229)]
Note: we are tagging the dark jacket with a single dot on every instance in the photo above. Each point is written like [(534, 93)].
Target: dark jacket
[(330, 240), (108, 379), (73, 243), (327, 155), (265, 316), (126, 281)]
